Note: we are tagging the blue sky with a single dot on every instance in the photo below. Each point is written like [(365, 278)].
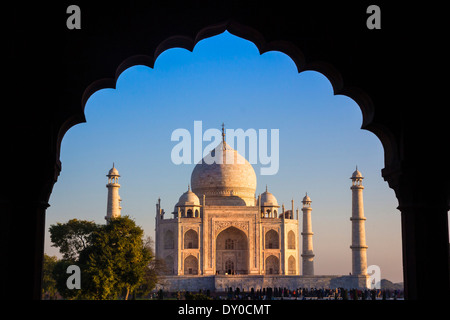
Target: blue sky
[(225, 79)]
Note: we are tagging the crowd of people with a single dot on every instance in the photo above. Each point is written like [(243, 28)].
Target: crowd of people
[(287, 294)]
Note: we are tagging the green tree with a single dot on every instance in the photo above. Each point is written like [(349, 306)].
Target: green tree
[(116, 259), (60, 275), (151, 272), (72, 237), (48, 281)]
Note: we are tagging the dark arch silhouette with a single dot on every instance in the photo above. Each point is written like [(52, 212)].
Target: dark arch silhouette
[(51, 72), (180, 41)]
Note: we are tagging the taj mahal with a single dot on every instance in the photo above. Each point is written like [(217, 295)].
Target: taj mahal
[(221, 235)]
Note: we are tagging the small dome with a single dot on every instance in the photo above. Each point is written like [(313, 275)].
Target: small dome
[(356, 174), (113, 172), (268, 199), (306, 198), (188, 198)]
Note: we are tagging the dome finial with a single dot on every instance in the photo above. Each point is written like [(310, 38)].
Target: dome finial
[(266, 187), (223, 136)]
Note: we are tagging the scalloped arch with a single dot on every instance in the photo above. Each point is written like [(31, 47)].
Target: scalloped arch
[(361, 98)]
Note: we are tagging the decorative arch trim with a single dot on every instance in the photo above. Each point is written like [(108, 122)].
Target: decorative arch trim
[(248, 33)]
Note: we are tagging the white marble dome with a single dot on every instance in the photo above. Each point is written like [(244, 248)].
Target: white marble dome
[(225, 178), (188, 198), (113, 172), (356, 174), (268, 199), (306, 198)]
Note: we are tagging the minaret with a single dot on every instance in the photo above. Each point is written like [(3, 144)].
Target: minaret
[(307, 254), (113, 208), (359, 248)]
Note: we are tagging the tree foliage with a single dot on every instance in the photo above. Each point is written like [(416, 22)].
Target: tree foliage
[(72, 237), (60, 275), (48, 281), (113, 258)]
